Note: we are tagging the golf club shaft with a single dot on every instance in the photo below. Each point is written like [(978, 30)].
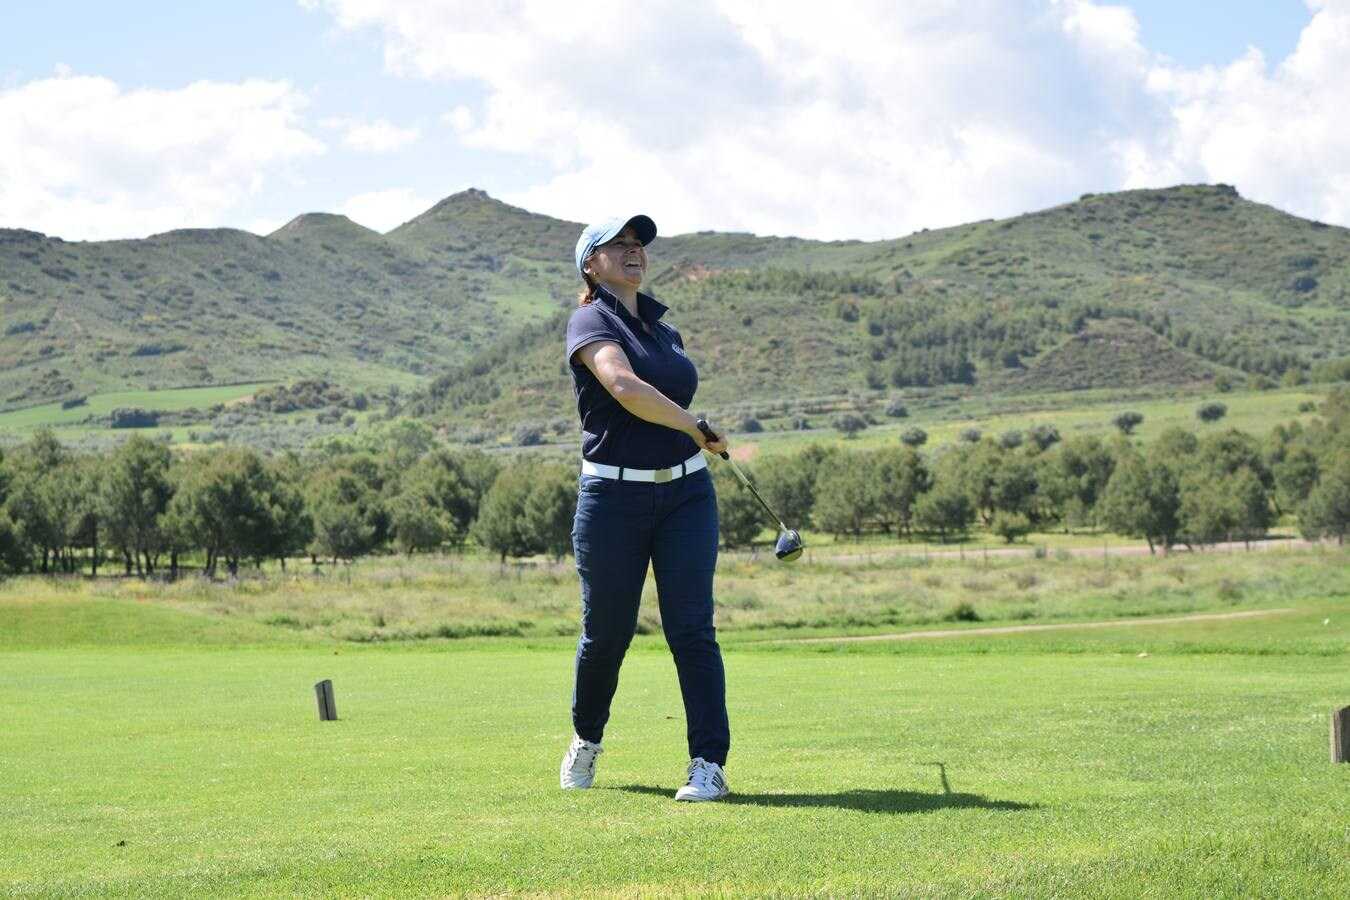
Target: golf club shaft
[(707, 432), (745, 481)]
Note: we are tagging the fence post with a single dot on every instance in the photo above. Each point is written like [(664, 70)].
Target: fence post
[(323, 697), (1340, 735)]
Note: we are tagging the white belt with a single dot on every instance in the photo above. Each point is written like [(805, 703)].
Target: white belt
[(659, 476)]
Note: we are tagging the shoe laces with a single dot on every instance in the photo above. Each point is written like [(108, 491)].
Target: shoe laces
[(583, 754), (701, 772)]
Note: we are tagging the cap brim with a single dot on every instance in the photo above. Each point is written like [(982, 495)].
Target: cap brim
[(643, 227)]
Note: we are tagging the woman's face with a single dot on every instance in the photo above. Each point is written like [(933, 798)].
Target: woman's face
[(621, 263)]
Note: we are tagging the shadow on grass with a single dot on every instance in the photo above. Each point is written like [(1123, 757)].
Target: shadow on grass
[(871, 801)]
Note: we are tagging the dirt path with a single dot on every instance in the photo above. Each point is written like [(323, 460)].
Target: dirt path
[(1003, 552), (1019, 629)]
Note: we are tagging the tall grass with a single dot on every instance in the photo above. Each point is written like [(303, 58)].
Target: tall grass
[(431, 598)]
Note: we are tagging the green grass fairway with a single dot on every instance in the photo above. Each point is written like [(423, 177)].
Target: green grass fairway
[(1060, 763), (69, 421)]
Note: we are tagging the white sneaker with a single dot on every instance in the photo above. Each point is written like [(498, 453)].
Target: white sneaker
[(706, 781), (578, 766)]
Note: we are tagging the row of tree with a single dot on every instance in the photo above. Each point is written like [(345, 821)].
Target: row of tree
[(399, 489), (1179, 488)]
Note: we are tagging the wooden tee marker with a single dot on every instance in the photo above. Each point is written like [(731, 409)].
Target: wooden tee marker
[(323, 696), (1340, 735)]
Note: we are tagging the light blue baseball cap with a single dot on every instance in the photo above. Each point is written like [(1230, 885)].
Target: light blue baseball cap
[(593, 236)]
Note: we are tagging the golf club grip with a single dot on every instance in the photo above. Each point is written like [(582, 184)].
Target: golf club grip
[(708, 433)]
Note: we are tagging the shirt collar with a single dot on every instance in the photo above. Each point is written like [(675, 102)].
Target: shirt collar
[(649, 308)]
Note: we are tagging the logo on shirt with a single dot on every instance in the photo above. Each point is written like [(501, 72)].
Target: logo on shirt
[(678, 349)]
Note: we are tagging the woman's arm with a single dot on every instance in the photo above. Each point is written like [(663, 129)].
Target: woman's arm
[(610, 365)]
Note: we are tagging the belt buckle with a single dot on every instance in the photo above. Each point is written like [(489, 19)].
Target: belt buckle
[(664, 475)]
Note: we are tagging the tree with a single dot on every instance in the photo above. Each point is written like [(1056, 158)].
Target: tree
[(223, 503), (739, 517), (899, 476), (14, 548), (1128, 421), (1011, 525), (1213, 508), (1211, 412), (549, 509), (1011, 440), (1043, 435), (945, 508), (849, 424), (974, 468), (1141, 500), (846, 498), (527, 510), (133, 494), (41, 499), (1326, 512), (416, 523), (404, 440), (1295, 476), (788, 483), (1073, 476), (347, 514), (914, 437), (1225, 488)]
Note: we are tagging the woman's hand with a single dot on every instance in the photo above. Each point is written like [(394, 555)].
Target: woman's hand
[(718, 443)]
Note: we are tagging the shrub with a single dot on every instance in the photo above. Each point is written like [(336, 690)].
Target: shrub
[(962, 612), (132, 417), (914, 437), (1260, 383), (895, 409), (1010, 525), (749, 425), (969, 436), (73, 402), (158, 348), (1128, 421), (1010, 440), (800, 422), (1303, 284), (1211, 412), (848, 423), (1044, 435), (1223, 384), (527, 435)]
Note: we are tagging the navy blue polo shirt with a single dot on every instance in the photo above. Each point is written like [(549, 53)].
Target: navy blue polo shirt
[(611, 434)]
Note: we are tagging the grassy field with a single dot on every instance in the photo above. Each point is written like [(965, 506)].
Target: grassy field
[(100, 405), (1255, 412), (160, 743)]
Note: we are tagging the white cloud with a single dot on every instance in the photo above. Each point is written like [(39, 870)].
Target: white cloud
[(82, 159), (460, 118), (378, 136), (385, 210), (871, 118), (1280, 135)]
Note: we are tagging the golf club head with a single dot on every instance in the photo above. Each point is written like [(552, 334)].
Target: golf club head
[(789, 546)]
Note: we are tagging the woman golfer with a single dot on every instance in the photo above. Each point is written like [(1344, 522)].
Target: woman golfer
[(644, 498)]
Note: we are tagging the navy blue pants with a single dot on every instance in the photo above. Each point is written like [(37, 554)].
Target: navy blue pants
[(620, 528)]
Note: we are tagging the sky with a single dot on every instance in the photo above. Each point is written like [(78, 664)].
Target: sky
[(854, 119)]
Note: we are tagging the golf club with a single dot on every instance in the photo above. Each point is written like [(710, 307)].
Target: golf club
[(789, 544)]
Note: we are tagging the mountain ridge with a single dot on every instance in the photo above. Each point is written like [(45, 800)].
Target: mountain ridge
[(473, 284)]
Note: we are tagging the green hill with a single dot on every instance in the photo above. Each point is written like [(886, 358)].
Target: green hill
[(467, 302), (1156, 287)]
